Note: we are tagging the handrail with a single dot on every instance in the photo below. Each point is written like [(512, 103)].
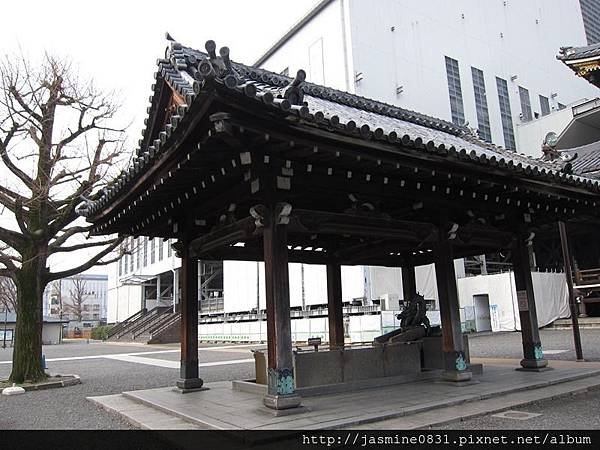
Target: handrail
[(118, 327), (152, 314), (149, 324), (175, 317)]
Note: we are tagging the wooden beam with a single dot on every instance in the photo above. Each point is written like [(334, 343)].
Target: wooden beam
[(280, 388), (455, 363), (223, 236), (188, 374), (334, 305), (533, 358), (409, 281)]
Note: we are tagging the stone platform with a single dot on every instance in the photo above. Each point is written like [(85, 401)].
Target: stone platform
[(221, 407)]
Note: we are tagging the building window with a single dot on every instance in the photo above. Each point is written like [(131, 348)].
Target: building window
[(121, 265), (169, 249), (505, 114), (152, 251), (161, 244), (590, 11), (456, 102), (145, 258), (483, 116), (544, 105), (526, 114)]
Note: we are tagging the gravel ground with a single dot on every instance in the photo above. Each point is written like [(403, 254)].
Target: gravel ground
[(67, 408), (508, 345), (577, 412)]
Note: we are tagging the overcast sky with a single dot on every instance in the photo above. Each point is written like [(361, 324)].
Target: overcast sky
[(116, 43)]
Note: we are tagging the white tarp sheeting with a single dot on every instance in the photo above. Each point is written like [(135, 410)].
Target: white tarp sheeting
[(240, 282), (551, 297)]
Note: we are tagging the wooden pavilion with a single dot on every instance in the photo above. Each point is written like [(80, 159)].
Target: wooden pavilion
[(238, 163)]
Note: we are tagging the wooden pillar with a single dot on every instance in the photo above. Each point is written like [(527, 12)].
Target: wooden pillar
[(533, 358), (334, 305), (281, 386), (409, 282), (564, 241), (456, 367), (188, 372)]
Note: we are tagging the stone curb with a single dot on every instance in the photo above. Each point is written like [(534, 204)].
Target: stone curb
[(70, 380)]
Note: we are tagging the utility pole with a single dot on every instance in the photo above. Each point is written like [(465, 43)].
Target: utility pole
[(569, 275)]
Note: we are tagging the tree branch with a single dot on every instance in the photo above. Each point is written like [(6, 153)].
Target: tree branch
[(12, 238), (89, 264), (72, 248)]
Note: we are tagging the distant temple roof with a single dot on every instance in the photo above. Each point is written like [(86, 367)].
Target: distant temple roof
[(584, 61), (585, 159), (192, 74)]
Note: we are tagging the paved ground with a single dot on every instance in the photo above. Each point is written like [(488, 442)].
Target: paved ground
[(156, 366), (67, 408)]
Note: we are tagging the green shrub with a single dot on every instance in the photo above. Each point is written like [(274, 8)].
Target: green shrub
[(101, 333)]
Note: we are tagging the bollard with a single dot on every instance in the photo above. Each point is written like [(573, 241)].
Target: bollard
[(44, 362)]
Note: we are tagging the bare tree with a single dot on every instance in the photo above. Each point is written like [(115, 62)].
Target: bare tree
[(57, 146), (77, 297), (8, 294)]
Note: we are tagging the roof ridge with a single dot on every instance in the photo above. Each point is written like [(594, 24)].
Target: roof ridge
[(346, 98)]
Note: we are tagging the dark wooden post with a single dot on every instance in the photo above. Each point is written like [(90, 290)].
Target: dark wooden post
[(455, 362), (564, 241), (409, 282), (533, 358), (188, 372), (334, 305), (281, 391)]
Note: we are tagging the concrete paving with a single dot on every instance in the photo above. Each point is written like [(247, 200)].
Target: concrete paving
[(413, 405)]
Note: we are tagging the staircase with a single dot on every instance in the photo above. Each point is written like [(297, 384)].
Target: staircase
[(160, 325)]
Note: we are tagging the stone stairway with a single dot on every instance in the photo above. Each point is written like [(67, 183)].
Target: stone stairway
[(160, 325)]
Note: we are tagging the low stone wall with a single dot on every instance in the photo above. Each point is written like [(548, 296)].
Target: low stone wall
[(350, 365)]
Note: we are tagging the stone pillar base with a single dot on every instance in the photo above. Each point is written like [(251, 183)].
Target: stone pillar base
[(282, 401), (185, 385), (533, 365), (455, 375)]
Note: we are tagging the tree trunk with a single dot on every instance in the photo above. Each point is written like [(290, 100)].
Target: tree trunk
[(27, 354)]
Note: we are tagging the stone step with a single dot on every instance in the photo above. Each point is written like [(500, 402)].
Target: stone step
[(143, 416)]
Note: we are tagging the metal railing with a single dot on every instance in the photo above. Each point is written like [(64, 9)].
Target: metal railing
[(150, 316), (121, 325), (171, 319), (589, 276)]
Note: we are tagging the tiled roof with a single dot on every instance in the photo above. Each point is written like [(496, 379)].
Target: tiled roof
[(585, 160), (190, 72), (575, 53)]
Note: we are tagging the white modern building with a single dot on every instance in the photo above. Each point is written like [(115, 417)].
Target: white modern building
[(490, 64), (80, 300)]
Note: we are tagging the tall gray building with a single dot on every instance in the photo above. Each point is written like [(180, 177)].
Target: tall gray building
[(590, 10)]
